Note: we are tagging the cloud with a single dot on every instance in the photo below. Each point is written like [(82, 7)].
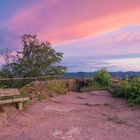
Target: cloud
[(77, 28), (122, 41), (60, 20), (87, 65), (125, 64)]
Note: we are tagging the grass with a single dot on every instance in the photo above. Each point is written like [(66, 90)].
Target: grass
[(42, 97), (57, 86)]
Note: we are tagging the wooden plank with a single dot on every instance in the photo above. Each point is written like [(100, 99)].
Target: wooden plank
[(9, 92), (14, 100)]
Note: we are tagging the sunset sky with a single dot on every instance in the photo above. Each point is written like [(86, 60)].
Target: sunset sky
[(91, 33)]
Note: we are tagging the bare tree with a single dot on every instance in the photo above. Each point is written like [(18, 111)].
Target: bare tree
[(8, 57)]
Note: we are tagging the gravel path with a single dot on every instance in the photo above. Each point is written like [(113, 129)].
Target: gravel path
[(75, 116)]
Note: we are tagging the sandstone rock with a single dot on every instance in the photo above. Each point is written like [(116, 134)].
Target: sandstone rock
[(35, 89)]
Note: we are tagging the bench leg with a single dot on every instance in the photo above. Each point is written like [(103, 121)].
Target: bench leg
[(20, 106)]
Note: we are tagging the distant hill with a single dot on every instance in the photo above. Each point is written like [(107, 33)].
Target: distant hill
[(91, 74)]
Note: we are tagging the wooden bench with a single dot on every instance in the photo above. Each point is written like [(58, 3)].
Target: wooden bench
[(12, 93)]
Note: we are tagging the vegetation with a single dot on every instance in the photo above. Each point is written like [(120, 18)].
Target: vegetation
[(103, 77), (57, 87), (130, 90), (95, 86), (40, 59), (36, 59), (102, 80)]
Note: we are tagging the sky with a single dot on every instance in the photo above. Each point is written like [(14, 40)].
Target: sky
[(91, 33)]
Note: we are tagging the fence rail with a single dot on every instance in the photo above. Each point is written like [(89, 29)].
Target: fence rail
[(30, 78), (20, 82)]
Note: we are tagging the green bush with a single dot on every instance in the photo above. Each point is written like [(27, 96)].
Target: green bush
[(103, 77), (130, 90), (102, 80), (124, 90)]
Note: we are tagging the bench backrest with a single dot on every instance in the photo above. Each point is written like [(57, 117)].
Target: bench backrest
[(9, 92)]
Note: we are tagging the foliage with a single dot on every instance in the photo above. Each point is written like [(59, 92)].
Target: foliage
[(102, 80), (95, 86), (7, 57), (123, 90), (36, 59), (130, 90), (14, 83), (89, 84), (57, 86), (103, 77)]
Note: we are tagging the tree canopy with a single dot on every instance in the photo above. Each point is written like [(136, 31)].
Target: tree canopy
[(36, 59)]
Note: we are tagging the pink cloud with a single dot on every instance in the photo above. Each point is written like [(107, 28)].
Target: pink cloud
[(122, 41), (60, 20), (67, 20)]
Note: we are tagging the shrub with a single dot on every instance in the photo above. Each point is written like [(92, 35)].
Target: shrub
[(130, 90), (57, 86), (123, 90), (103, 77), (89, 84)]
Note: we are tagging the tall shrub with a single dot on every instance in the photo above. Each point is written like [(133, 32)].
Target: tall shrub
[(103, 77)]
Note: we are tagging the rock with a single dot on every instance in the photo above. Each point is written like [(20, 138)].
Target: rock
[(35, 89)]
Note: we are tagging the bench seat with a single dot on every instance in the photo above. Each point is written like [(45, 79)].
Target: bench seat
[(19, 101), (12, 93)]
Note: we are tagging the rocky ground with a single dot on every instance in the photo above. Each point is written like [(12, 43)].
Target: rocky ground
[(75, 116)]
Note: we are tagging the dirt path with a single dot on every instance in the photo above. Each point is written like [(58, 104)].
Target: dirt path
[(76, 116)]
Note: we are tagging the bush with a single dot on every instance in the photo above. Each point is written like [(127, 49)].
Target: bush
[(123, 90), (57, 86), (103, 77), (130, 90)]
